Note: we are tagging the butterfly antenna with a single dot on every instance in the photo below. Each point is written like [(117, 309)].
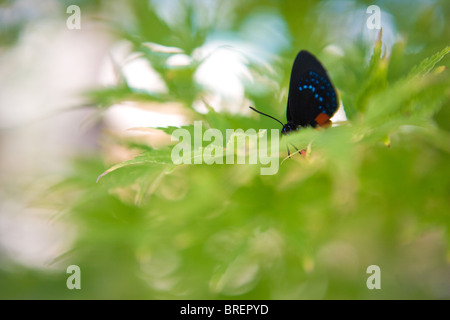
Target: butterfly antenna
[(266, 115)]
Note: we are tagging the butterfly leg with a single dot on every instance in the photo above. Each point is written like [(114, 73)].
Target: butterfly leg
[(302, 152), (294, 146)]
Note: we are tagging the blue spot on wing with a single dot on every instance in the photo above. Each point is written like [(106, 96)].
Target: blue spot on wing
[(320, 90)]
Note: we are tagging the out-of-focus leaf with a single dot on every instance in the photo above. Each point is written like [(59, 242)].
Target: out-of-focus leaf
[(428, 64), (153, 157)]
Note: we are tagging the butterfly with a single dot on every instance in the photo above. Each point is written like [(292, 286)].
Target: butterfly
[(312, 98)]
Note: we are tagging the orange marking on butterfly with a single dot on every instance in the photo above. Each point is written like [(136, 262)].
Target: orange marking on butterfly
[(322, 119)]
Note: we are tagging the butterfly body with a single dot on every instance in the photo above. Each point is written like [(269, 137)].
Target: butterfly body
[(288, 127)]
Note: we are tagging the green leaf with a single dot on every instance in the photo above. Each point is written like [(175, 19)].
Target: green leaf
[(428, 64), (170, 129), (375, 79), (154, 157), (106, 97)]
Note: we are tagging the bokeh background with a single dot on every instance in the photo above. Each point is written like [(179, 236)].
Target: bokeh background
[(374, 190)]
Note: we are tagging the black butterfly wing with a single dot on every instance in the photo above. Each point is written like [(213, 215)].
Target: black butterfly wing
[(312, 98)]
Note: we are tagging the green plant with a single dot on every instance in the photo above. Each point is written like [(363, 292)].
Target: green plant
[(374, 190)]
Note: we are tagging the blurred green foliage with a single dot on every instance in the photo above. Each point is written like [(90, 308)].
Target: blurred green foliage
[(375, 190)]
